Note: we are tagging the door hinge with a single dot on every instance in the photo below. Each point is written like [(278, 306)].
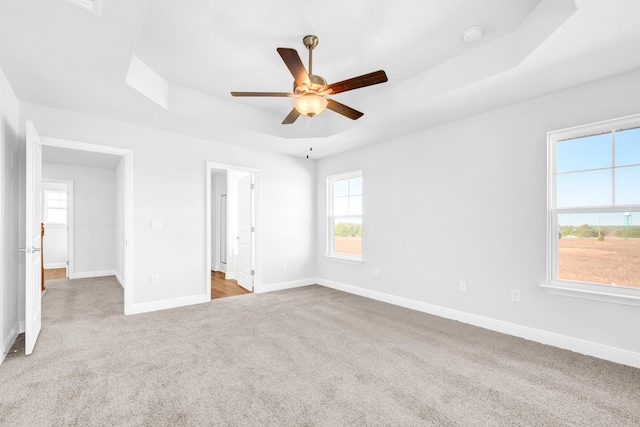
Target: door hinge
[(253, 272), (253, 229), (253, 186)]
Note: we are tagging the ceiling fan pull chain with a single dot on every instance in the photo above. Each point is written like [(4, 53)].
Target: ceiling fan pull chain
[(309, 127)]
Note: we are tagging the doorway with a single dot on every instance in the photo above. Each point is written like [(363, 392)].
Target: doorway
[(233, 232), (99, 181), (57, 209)]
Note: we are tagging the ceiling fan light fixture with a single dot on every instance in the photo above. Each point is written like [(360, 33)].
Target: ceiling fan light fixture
[(310, 105)]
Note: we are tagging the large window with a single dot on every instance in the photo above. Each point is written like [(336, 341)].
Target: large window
[(594, 211), (345, 216)]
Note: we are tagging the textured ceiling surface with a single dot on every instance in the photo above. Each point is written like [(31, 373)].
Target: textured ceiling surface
[(190, 54)]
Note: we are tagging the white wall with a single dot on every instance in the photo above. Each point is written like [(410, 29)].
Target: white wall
[(9, 283), (467, 201), (94, 217), (169, 184), (120, 223)]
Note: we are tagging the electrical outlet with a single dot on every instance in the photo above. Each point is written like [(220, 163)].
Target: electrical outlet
[(463, 286), (284, 265), (155, 278), (515, 295), (376, 272)]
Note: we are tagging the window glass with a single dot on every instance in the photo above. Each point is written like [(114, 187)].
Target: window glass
[(591, 188), (628, 185), (628, 147), (590, 152), (600, 248)]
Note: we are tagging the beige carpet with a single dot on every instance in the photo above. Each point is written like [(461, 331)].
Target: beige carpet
[(302, 357)]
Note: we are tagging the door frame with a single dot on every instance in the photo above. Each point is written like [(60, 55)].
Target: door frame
[(69, 184), (257, 262), (127, 158)]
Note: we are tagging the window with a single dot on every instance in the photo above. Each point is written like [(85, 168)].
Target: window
[(345, 216), (55, 207), (594, 211), (88, 5)]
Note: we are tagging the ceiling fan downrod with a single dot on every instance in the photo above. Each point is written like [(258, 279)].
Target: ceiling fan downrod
[(310, 43)]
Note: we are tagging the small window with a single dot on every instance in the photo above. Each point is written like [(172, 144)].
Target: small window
[(88, 5), (345, 216), (55, 207), (594, 211)]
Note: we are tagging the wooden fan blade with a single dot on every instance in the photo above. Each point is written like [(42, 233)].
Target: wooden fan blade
[(357, 82), (343, 109), (277, 94), (294, 64), (292, 117)]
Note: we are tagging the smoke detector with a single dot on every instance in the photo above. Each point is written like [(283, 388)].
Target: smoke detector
[(472, 34)]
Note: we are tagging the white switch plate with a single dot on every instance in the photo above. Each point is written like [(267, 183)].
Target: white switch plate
[(515, 295), (284, 265), (463, 286), (376, 272), (155, 278), (156, 224)]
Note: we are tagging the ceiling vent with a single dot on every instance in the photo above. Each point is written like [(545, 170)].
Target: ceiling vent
[(88, 5)]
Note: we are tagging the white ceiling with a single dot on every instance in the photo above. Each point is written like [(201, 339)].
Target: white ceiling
[(57, 55)]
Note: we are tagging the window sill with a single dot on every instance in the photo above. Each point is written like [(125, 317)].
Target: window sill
[(593, 291), (344, 258)]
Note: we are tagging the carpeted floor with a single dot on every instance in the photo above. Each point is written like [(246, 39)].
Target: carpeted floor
[(301, 357)]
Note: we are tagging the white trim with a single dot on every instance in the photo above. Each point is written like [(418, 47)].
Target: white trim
[(21, 327), (601, 351), (89, 274), (55, 265), (344, 258), (284, 285), (127, 158), (594, 291), (119, 279), (8, 342), (146, 307)]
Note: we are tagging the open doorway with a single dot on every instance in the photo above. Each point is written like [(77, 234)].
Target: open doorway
[(99, 199), (232, 229), (57, 223)]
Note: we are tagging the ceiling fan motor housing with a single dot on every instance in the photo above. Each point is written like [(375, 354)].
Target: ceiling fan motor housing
[(317, 84)]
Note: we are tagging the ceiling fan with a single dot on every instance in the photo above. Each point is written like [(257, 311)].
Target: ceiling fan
[(310, 90)]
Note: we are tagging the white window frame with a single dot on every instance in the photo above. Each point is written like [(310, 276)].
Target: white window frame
[(45, 204), (554, 285), (331, 254)]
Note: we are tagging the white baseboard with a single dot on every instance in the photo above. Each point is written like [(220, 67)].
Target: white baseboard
[(55, 265), (119, 279), (146, 307), (589, 348), (89, 274), (8, 342), (284, 285)]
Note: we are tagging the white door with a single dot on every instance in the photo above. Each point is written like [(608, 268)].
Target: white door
[(245, 232), (33, 290)]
